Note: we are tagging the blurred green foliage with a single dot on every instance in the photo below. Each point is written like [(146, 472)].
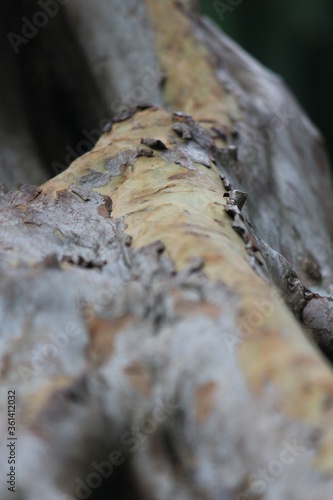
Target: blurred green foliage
[(294, 39)]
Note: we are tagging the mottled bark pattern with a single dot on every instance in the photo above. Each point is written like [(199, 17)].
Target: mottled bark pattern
[(152, 295)]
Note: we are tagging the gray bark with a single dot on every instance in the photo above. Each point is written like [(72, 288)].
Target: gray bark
[(142, 322)]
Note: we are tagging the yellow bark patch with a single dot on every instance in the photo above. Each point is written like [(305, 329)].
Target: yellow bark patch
[(191, 84), (184, 209)]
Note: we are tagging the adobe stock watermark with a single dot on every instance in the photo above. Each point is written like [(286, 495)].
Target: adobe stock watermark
[(221, 8), (256, 139), (260, 480), (40, 19), (48, 350), (248, 324), (131, 440), (41, 355), (127, 101)]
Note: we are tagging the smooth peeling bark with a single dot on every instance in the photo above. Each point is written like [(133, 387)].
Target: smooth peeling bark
[(285, 175), (184, 209), (102, 256), (199, 70), (260, 129), (190, 83), (215, 347)]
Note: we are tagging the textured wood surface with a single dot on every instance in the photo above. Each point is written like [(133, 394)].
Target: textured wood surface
[(148, 340)]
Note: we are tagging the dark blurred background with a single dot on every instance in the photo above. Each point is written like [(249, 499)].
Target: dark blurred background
[(49, 79), (294, 39)]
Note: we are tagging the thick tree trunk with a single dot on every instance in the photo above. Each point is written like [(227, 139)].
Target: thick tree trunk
[(158, 335)]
